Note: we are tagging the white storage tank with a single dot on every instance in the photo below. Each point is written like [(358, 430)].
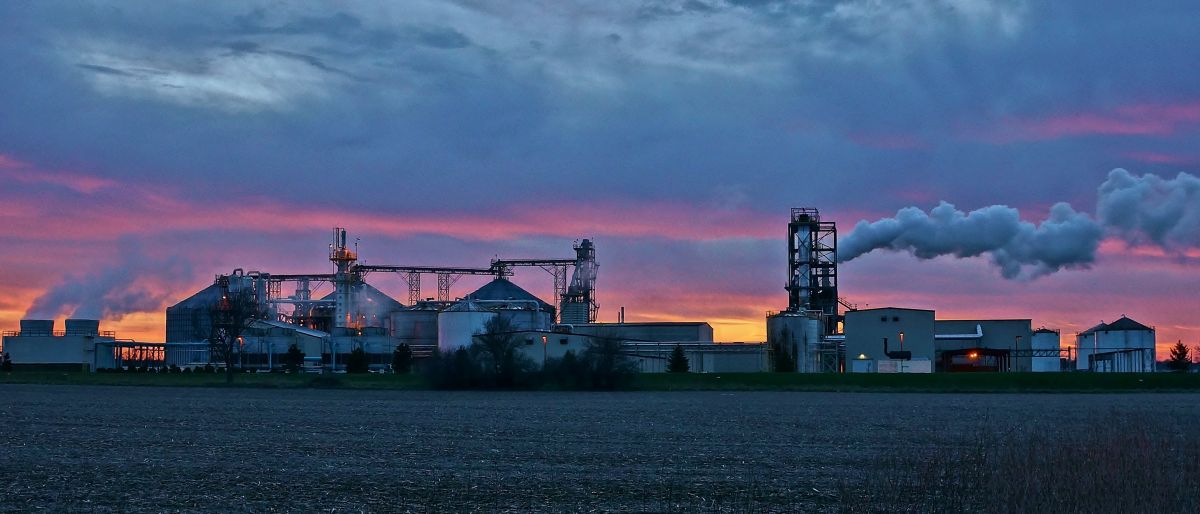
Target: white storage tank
[(459, 323), (416, 326), (1043, 343), (525, 315)]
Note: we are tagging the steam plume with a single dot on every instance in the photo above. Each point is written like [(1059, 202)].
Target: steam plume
[(1146, 209), (1151, 209), (137, 283)]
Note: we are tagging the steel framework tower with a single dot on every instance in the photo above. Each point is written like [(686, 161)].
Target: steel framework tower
[(812, 265), (579, 302)]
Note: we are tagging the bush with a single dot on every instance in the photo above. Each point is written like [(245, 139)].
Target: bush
[(606, 365), (358, 361), (453, 370), (495, 361), (293, 359), (402, 358), (566, 373)]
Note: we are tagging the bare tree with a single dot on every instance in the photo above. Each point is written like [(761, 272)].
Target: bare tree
[(606, 361), (497, 350), (230, 316)]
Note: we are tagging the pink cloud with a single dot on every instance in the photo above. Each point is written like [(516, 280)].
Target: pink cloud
[(116, 208), (1129, 120), (23, 172)]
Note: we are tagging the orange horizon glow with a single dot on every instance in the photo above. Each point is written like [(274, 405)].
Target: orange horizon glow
[(121, 209)]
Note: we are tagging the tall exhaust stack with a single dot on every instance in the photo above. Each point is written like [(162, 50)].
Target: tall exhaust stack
[(343, 259)]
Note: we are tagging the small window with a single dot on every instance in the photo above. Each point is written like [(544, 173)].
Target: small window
[(895, 318), (529, 341), (883, 319), (562, 341)]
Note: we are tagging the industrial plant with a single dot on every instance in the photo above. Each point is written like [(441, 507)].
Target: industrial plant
[(819, 331)]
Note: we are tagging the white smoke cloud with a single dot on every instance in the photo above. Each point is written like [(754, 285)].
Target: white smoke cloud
[(1021, 249), (1152, 209), (1140, 210), (136, 283)]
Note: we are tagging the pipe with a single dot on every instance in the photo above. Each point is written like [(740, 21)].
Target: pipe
[(898, 354)]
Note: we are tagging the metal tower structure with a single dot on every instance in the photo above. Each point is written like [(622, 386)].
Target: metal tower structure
[(812, 265), (576, 297), (411, 275), (579, 302), (343, 259), (574, 292), (557, 268)]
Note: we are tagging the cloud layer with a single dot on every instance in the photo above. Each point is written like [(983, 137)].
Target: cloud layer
[(675, 132)]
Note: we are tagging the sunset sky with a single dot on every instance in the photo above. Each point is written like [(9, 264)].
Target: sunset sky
[(146, 146)]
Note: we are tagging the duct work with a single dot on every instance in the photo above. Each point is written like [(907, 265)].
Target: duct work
[(1137, 209)]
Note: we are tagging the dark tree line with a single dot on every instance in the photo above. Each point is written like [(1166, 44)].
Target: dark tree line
[(495, 361)]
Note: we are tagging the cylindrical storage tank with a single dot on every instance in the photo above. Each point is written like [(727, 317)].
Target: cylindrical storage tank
[(526, 317), (33, 327), (83, 327), (792, 331), (458, 324), (415, 327), (807, 360), (1044, 343)]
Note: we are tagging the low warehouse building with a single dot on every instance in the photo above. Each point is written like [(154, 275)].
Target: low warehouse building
[(912, 340), (649, 356), (648, 331), (703, 357), (983, 345), (81, 346)]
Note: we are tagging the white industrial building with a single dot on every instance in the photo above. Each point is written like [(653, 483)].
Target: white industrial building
[(1121, 346), (80, 346), (895, 339)]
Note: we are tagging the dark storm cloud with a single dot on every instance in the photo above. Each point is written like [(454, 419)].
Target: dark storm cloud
[(795, 103)]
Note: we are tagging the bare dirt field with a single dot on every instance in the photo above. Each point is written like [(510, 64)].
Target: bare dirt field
[(98, 448)]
